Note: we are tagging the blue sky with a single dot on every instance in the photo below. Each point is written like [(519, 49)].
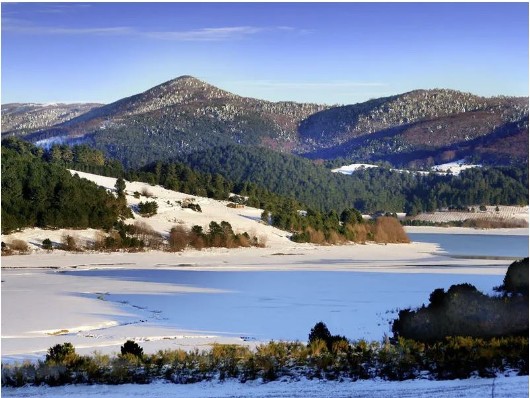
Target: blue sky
[(334, 53)]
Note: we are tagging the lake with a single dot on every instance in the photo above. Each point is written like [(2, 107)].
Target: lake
[(283, 305), (478, 246)]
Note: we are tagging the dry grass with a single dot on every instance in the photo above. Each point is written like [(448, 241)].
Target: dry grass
[(495, 222), (151, 238), (316, 237), (197, 242), (359, 232), (179, 239), (146, 192), (70, 243), (389, 230), (18, 245)]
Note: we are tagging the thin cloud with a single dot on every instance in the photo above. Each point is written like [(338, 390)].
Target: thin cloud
[(62, 8), (204, 34)]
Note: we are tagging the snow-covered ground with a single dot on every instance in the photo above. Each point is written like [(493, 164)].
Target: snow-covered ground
[(190, 299), (500, 387), (352, 168), (454, 168), (517, 214)]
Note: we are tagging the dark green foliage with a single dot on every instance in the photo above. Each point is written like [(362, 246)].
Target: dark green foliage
[(351, 216), (454, 357), (367, 190), (40, 194), (132, 348), (321, 332), (60, 353), (47, 244), (120, 186), (147, 208), (464, 311), (516, 279)]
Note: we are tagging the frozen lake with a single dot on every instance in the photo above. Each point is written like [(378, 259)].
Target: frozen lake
[(282, 305), (191, 299), (476, 245)]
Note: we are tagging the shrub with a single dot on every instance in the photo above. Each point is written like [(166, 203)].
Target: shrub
[(319, 331), (19, 245), (389, 230), (179, 238), (141, 230), (5, 249), (47, 244), (147, 209), (61, 353), (70, 243), (145, 192), (516, 278), (132, 348)]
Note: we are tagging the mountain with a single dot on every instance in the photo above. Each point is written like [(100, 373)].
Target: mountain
[(22, 118), (418, 128)]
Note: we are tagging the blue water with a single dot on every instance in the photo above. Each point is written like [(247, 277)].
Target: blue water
[(477, 245)]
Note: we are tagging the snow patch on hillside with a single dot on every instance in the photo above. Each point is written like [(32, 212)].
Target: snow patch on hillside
[(454, 168)]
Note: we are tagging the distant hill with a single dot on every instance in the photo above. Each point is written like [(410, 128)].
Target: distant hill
[(418, 128), (21, 118)]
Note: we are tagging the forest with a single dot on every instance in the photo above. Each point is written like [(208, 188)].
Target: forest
[(369, 190), (296, 194), (37, 193)]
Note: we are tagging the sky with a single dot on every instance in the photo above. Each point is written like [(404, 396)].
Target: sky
[(331, 53)]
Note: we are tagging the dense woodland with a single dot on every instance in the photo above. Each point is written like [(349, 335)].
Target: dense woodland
[(370, 190), (37, 193), (296, 195)]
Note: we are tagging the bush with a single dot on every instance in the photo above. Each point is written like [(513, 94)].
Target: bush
[(132, 348), (516, 278), (147, 209), (389, 230), (61, 353), (145, 192), (319, 332), (464, 311), (179, 238), (70, 243), (18, 245), (47, 244)]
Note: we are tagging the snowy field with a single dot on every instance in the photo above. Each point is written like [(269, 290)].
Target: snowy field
[(501, 387)]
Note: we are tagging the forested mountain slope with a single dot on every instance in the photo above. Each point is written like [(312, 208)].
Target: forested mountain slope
[(418, 128)]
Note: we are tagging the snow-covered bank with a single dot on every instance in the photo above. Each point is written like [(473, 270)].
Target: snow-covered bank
[(500, 387)]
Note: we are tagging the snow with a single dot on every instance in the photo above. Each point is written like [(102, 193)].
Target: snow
[(351, 168), (453, 167), (500, 387), (191, 299)]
